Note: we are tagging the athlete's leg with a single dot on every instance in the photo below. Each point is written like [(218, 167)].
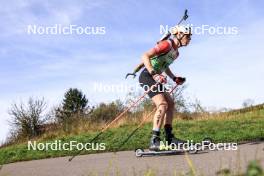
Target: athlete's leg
[(169, 113), (168, 121), (162, 106)]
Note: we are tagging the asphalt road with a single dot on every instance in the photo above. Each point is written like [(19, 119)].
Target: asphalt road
[(125, 163)]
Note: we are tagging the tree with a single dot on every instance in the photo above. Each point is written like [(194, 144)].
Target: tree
[(74, 101), (74, 105), (247, 103), (26, 120)]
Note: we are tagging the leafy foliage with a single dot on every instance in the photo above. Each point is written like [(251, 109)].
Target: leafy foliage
[(106, 112)]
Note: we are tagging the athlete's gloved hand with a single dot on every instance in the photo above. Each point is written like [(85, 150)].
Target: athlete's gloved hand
[(179, 80), (160, 78)]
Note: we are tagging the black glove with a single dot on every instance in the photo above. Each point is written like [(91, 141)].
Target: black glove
[(179, 80)]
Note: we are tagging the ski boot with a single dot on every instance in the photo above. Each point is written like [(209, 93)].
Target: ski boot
[(154, 143), (170, 139), (173, 140)]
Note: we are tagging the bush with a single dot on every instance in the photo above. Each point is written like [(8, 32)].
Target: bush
[(26, 120), (106, 112)]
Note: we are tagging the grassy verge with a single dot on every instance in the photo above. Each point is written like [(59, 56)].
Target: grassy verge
[(235, 128)]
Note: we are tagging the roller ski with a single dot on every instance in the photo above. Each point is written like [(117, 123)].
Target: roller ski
[(158, 147)]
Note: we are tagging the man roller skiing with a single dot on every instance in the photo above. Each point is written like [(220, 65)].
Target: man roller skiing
[(156, 61)]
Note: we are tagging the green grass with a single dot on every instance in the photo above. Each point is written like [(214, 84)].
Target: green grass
[(236, 128)]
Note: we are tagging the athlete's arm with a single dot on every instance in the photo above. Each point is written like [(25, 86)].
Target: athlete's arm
[(169, 73), (160, 48), (146, 59), (141, 65)]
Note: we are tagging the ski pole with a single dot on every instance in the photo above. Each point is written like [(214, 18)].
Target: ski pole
[(126, 110), (115, 119), (135, 130), (142, 122)]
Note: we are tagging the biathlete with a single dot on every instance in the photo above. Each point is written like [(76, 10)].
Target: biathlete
[(156, 61)]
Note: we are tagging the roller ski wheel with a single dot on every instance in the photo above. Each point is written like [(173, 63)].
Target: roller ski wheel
[(207, 140), (192, 150), (139, 152)]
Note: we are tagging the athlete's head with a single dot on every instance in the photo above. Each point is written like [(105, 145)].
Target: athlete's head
[(182, 34)]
